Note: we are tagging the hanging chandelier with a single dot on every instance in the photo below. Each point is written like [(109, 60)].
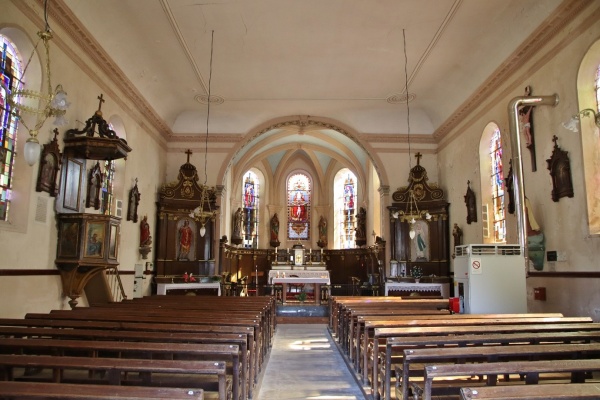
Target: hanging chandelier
[(411, 213), (204, 212), (42, 105)]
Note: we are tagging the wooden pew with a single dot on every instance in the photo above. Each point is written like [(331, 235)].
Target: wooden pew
[(482, 354), (342, 312), (147, 327), (37, 390), (116, 368), (132, 336), (173, 320), (531, 369), (398, 328), (441, 342), (368, 323), (565, 325), (557, 391), (212, 352), (419, 306)]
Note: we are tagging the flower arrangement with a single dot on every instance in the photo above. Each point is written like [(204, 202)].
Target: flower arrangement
[(301, 297), (416, 272)]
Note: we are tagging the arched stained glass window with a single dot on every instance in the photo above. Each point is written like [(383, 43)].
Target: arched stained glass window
[(107, 187), (497, 185), (345, 209), (250, 200), (299, 201), (10, 74)]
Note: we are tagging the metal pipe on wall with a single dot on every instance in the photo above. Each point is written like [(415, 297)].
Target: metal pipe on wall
[(517, 162)]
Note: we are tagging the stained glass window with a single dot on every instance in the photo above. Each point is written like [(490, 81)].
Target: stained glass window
[(10, 73), (107, 187), (497, 185), (299, 201), (347, 210), (251, 201)]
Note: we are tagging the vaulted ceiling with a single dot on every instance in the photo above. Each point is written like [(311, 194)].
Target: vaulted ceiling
[(340, 59)]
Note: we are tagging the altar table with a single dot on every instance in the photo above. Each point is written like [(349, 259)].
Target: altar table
[(161, 288), (443, 288), (317, 281)]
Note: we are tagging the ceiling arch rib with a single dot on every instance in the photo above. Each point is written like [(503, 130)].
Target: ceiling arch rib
[(323, 133)]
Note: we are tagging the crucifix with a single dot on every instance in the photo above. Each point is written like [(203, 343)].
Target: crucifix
[(526, 121), (418, 157), (189, 153), (101, 100)]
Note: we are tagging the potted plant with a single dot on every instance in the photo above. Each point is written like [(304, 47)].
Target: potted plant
[(417, 273), (301, 297)]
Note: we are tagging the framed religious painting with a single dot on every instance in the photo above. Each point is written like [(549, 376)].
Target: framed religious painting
[(94, 242), (113, 242), (72, 192), (68, 239), (49, 168)]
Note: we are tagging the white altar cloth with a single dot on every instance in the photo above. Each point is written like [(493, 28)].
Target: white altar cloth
[(443, 288)]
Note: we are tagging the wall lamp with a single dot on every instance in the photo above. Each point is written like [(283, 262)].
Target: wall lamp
[(572, 124)]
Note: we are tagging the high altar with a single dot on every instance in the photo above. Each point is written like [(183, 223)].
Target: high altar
[(298, 271)]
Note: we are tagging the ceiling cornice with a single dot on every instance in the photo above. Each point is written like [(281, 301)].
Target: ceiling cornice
[(62, 16), (564, 14)]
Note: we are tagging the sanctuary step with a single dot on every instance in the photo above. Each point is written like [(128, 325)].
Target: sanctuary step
[(302, 313)]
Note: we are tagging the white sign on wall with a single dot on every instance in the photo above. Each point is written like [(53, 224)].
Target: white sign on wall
[(476, 266)]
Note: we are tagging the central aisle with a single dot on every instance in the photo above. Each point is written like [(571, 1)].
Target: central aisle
[(305, 364)]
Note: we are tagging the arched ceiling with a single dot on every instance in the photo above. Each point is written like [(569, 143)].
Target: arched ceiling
[(341, 59)]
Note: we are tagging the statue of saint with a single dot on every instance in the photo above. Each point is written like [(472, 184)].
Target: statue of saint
[(275, 228)]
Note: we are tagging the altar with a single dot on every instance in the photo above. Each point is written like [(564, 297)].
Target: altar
[(162, 288), (297, 279), (442, 288)]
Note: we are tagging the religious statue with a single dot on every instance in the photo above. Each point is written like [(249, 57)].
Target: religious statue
[(322, 242), (238, 220), (457, 234), (145, 238), (361, 227), (275, 231), (470, 201), (186, 237)]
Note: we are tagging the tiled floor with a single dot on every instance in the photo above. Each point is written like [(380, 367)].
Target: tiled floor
[(305, 364)]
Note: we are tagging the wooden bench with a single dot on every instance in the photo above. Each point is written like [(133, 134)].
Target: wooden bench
[(38, 390), (396, 337), (116, 368), (399, 328), (131, 336), (531, 369), (482, 354), (557, 391), (174, 323), (144, 350), (368, 323), (441, 342), (167, 328)]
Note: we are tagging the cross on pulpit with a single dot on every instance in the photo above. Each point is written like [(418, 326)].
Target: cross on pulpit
[(101, 100), (555, 140), (189, 153), (418, 157)]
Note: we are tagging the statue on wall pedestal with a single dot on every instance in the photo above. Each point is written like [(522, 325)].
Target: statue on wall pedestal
[(275, 231), (322, 242), (238, 220), (361, 227), (145, 238)]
